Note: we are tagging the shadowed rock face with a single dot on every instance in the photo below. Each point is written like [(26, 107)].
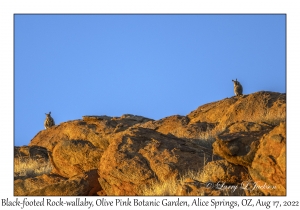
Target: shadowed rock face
[(262, 152), (33, 152), (239, 142), (232, 137)]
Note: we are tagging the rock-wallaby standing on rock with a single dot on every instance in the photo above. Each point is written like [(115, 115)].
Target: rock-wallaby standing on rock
[(238, 88), (49, 122)]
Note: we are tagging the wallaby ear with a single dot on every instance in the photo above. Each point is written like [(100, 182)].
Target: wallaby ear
[(49, 112)]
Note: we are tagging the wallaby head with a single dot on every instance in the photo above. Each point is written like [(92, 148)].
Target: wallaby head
[(235, 82), (48, 115)]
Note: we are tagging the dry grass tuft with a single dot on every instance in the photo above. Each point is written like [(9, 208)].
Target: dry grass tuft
[(204, 138), (27, 167), (169, 187), (163, 188)]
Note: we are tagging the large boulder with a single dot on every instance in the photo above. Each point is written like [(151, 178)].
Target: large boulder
[(95, 129), (260, 148), (268, 169), (93, 132), (239, 142), (74, 157), (262, 106), (138, 157)]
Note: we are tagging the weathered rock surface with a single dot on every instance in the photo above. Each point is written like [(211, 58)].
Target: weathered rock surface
[(261, 106), (32, 152), (239, 142), (268, 169), (140, 156), (180, 127), (23, 187), (74, 157), (49, 185), (262, 151), (95, 129)]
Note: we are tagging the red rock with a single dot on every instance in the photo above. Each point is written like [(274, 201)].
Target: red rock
[(138, 157), (268, 168)]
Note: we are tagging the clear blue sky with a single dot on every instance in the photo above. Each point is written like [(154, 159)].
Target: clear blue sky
[(149, 65)]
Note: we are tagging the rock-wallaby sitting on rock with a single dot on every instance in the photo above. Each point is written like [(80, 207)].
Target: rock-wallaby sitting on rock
[(49, 122), (238, 88)]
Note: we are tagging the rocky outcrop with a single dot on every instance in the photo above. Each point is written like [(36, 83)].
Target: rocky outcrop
[(235, 141), (95, 129), (261, 106), (139, 156)]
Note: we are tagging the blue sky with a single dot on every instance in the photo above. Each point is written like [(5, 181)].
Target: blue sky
[(149, 65)]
